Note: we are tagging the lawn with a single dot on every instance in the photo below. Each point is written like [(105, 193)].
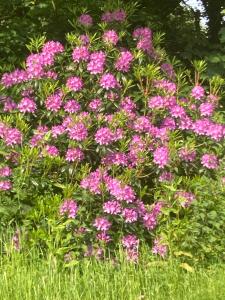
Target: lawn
[(37, 279)]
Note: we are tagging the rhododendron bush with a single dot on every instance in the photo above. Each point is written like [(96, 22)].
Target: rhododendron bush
[(103, 141)]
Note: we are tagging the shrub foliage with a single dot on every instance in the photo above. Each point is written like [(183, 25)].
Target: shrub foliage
[(105, 142)]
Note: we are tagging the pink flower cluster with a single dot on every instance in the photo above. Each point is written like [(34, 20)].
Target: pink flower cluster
[(11, 136), (209, 161), (187, 155), (54, 102), (68, 208), (74, 83), (108, 81), (102, 224), (112, 207), (93, 182), (74, 154), (85, 20), (123, 62), (97, 62), (80, 54), (159, 248), (35, 65), (118, 15), (77, 132), (131, 243), (5, 171), (110, 37), (198, 92), (5, 185), (186, 198), (161, 156), (144, 37), (150, 218), (27, 105)]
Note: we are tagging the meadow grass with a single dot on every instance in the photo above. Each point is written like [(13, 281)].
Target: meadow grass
[(32, 278)]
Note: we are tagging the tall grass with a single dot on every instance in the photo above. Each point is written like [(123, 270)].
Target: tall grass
[(32, 278)]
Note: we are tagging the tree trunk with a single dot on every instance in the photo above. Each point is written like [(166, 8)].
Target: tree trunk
[(213, 10)]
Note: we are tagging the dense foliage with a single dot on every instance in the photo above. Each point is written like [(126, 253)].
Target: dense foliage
[(184, 35), (105, 144)]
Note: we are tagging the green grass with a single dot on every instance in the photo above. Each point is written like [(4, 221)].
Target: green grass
[(37, 279)]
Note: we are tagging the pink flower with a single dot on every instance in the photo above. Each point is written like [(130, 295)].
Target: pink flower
[(159, 248), (84, 38), (107, 17), (72, 106), (5, 185), (69, 208), (132, 255), (74, 84), (52, 47), (206, 109), (119, 15), (128, 105), (51, 150), (80, 54), (51, 74), (201, 126), (104, 237), (93, 182), (57, 130), (97, 61), (156, 102), (120, 191), (110, 37), (166, 176), (185, 123), (74, 154), (123, 63), (54, 102), (116, 158), (85, 20), (130, 241), (142, 124), (161, 156), (9, 105), (12, 137), (185, 197), (78, 132), (177, 111), (168, 123), (168, 69), (27, 105), (95, 104), (130, 215), (112, 207), (187, 155), (215, 131), (15, 77), (5, 171), (209, 161), (165, 85), (102, 224), (144, 37), (108, 81), (150, 220), (104, 136), (198, 92), (3, 130)]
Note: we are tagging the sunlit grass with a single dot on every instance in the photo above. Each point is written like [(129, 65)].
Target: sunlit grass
[(32, 278)]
